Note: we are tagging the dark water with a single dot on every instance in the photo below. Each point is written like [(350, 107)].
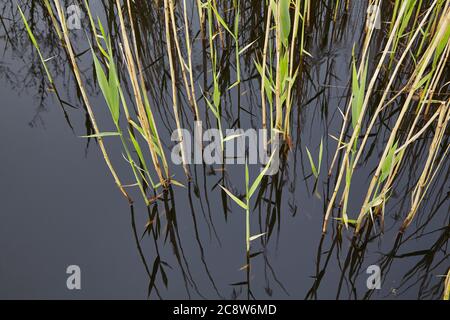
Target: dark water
[(59, 205)]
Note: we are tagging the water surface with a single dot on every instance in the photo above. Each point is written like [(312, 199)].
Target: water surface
[(59, 205)]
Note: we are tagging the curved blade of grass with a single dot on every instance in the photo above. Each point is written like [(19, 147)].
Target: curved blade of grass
[(114, 90), (260, 176), (102, 135), (221, 21), (358, 88), (232, 136), (313, 166), (109, 87), (235, 199), (256, 236), (179, 184)]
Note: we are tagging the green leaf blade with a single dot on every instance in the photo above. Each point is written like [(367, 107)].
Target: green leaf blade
[(234, 198)]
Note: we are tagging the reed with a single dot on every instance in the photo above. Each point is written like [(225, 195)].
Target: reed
[(316, 169), (428, 56), (422, 77), (405, 80), (278, 77), (112, 91), (73, 61), (113, 95), (145, 114), (245, 204)]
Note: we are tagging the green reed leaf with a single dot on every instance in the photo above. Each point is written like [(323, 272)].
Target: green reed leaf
[(234, 198), (388, 163), (102, 135), (313, 166), (260, 176), (256, 236), (285, 20)]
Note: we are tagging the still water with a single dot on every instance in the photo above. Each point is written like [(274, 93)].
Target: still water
[(59, 205)]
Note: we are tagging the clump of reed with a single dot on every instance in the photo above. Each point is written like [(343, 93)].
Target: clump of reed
[(406, 79), (279, 69), (143, 126), (403, 87), (427, 53)]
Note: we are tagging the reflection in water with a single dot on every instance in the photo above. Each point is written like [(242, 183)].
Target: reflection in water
[(193, 238)]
